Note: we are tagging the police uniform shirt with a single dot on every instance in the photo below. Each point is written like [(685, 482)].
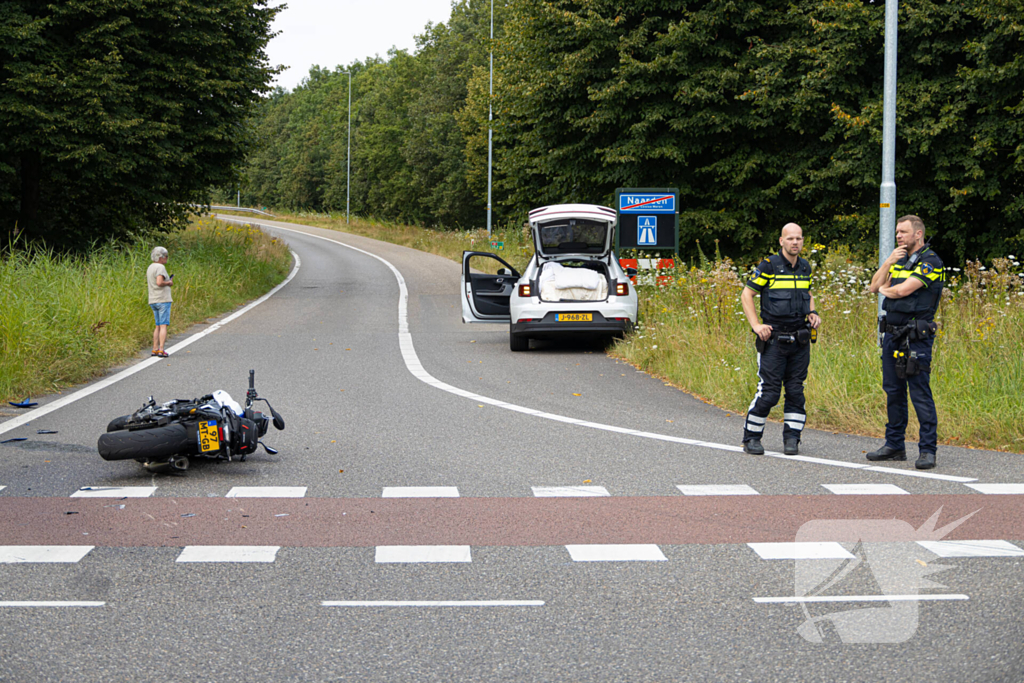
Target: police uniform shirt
[(923, 302), (785, 290)]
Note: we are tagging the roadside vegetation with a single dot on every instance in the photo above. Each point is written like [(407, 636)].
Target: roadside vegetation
[(66, 319), (694, 335)]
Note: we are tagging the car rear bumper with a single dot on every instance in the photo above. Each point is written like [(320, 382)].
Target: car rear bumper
[(550, 327)]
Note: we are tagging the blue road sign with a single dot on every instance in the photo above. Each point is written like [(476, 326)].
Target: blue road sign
[(646, 231), (647, 203)]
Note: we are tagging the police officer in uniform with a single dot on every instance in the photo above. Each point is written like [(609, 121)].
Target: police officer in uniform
[(782, 339), (911, 282)]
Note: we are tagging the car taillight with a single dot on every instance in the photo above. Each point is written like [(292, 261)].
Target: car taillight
[(524, 291), (622, 289)]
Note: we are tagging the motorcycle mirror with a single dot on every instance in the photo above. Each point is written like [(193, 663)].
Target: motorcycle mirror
[(278, 420), (268, 449)]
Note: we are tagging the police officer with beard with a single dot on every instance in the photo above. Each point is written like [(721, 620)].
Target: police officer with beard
[(782, 339), (911, 282)]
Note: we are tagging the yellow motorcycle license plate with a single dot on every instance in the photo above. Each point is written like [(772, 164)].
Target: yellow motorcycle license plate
[(209, 438), (575, 317)]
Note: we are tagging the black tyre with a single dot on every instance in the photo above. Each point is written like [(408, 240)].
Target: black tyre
[(518, 342), (118, 423), (146, 444)]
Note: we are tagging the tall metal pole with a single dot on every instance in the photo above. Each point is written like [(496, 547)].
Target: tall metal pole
[(887, 203), (348, 153), (490, 131)]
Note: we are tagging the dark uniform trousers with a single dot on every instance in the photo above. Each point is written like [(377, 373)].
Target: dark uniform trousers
[(782, 365), (920, 393)]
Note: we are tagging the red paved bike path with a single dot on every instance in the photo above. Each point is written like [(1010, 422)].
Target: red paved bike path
[(361, 522)]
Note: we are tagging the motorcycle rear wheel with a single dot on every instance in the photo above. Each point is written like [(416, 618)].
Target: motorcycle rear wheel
[(146, 444)]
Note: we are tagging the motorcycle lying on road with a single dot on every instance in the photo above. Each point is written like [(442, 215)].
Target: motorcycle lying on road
[(164, 436)]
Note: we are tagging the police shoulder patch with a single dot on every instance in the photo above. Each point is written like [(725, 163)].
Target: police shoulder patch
[(927, 268), (756, 274)]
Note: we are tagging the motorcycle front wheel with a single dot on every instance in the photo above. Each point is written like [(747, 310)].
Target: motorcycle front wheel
[(146, 444)]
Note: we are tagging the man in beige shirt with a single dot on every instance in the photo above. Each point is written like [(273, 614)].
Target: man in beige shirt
[(159, 298)]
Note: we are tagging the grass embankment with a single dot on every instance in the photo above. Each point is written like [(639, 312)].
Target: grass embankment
[(693, 334), (67, 319)]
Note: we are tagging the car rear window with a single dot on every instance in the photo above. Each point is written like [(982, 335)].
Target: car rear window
[(573, 236)]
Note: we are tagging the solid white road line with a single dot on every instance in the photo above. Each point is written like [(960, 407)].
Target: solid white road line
[(114, 492), (267, 492), (228, 553), (716, 490), (865, 489), (972, 548), (863, 598), (25, 418), (610, 552), (2, 488), (387, 554), (25, 554), (50, 603), (412, 363), (420, 492), (432, 603), (999, 489), (568, 491), (801, 550)]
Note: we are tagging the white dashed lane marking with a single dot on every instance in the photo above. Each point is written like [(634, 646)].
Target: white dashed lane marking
[(717, 490), (228, 553), (972, 548), (267, 492), (801, 550), (616, 553), (114, 492), (420, 492), (387, 554), (568, 491), (1012, 489), (432, 603), (863, 598), (65, 554), (865, 489)]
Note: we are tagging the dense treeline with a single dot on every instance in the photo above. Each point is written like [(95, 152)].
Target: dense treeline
[(115, 115), (760, 111)]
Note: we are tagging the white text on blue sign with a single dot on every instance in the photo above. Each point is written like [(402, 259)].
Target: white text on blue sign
[(647, 203)]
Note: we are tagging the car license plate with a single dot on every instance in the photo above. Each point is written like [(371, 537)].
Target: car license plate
[(575, 317), (209, 439)]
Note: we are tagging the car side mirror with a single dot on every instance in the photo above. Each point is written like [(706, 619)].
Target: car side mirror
[(631, 272), (504, 271)]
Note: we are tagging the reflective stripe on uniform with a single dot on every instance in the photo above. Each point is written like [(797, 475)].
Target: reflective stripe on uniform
[(797, 417), (798, 426)]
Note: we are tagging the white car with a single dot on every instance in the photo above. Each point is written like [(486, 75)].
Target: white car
[(573, 285)]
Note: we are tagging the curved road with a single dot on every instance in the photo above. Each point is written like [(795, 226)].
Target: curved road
[(385, 392)]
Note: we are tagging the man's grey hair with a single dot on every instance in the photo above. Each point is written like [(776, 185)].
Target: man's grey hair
[(158, 253)]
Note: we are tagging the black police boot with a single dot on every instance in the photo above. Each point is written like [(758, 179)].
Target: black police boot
[(791, 446), (753, 447), (886, 453), (925, 461)]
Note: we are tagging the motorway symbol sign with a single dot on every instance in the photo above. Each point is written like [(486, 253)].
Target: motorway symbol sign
[(647, 231)]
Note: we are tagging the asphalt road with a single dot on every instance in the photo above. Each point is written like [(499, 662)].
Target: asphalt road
[(573, 551)]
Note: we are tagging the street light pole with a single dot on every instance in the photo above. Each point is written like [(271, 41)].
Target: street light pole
[(348, 153), (490, 130), (887, 203)]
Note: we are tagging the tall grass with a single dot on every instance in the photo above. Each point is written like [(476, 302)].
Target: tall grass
[(693, 333), (66, 319)]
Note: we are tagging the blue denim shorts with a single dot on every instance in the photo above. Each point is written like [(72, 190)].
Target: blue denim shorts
[(162, 313)]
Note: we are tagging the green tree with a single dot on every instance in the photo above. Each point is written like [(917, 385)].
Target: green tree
[(116, 113)]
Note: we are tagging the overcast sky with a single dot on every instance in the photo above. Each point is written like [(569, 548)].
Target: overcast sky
[(337, 32)]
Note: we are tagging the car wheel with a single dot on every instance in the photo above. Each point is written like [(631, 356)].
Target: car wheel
[(518, 342)]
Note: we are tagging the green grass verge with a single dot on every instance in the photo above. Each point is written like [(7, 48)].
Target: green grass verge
[(65, 320)]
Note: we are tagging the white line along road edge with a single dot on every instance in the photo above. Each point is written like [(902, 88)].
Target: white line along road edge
[(16, 422), (412, 363)]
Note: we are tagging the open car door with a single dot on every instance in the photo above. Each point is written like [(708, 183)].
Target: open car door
[(485, 297)]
